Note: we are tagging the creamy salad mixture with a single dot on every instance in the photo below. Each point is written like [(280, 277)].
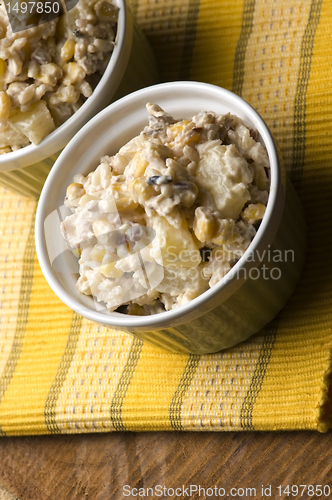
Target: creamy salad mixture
[(165, 218), (47, 72)]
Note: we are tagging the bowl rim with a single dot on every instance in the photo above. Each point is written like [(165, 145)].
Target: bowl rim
[(265, 234), (58, 139)]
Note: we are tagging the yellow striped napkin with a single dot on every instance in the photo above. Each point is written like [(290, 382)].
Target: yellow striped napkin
[(60, 373)]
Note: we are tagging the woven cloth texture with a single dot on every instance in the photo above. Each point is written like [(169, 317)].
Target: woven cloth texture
[(60, 373)]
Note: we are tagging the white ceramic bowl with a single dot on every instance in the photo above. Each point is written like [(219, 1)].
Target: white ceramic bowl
[(244, 300), (132, 66)]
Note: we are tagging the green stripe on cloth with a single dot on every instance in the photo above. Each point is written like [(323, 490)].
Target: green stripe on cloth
[(269, 338), (190, 38), (184, 384), (53, 396), (301, 92), (124, 382), (240, 54), (23, 310), (258, 376), (246, 412)]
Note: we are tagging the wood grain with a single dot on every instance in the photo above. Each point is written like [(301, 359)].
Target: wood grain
[(96, 467)]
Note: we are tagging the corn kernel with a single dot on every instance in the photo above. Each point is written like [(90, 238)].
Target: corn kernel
[(68, 50), (49, 74), (253, 212), (204, 225), (74, 191), (73, 73), (5, 106), (3, 67), (86, 198), (194, 139), (66, 93)]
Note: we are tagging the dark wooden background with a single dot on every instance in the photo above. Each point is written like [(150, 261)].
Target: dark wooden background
[(98, 466)]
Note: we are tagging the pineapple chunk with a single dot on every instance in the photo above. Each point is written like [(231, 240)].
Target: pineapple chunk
[(181, 280), (11, 137), (35, 124), (98, 253), (172, 247), (136, 168), (225, 174)]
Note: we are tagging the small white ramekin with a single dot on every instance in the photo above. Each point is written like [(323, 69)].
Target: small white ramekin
[(132, 66), (244, 301)]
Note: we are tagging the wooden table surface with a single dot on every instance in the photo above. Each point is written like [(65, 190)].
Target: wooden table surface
[(99, 466)]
